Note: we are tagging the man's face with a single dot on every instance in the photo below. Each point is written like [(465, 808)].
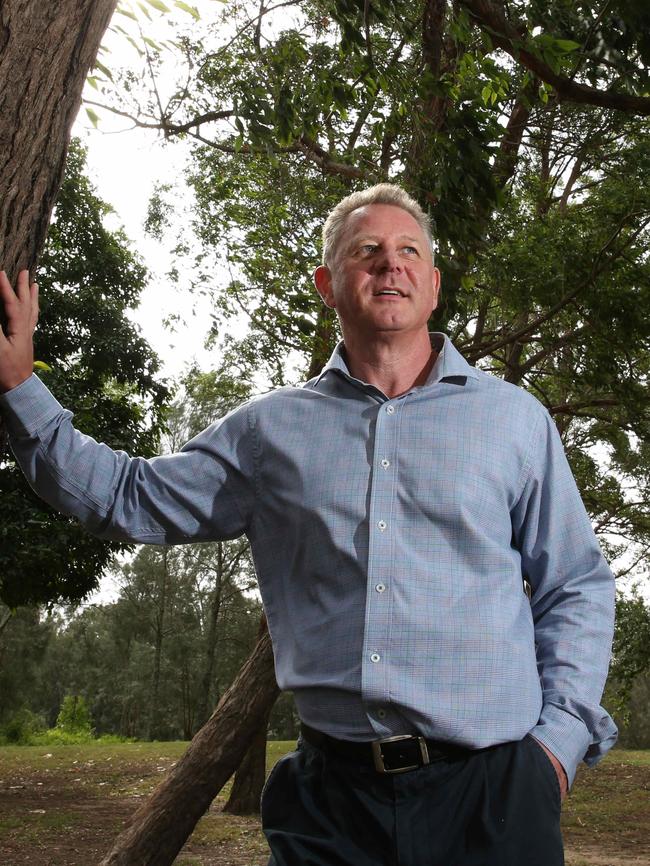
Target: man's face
[(382, 278)]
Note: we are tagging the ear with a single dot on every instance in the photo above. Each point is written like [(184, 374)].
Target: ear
[(436, 288), (323, 283)]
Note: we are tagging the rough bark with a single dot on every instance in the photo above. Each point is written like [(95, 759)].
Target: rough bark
[(160, 827), (249, 779), (46, 51)]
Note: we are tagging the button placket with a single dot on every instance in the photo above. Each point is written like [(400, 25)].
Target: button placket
[(375, 668)]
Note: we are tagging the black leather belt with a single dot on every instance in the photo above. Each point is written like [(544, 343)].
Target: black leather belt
[(388, 755)]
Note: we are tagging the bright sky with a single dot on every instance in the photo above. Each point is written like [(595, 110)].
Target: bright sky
[(125, 164)]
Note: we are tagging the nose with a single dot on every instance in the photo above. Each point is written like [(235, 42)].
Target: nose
[(389, 261)]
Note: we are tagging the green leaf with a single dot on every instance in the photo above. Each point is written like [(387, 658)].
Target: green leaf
[(567, 45), (41, 365), (102, 68), (485, 93), (135, 45), (144, 9), (93, 82), (191, 10), (159, 5), (94, 117), (127, 12)]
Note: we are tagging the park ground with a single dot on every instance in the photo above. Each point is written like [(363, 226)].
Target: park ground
[(63, 805)]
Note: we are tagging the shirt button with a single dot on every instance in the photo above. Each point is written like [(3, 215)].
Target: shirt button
[(375, 657), (382, 525), (381, 714), (380, 587), (385, 463), (390, 409)]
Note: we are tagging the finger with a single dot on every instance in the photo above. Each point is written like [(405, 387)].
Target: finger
[(33, 292), (5, 287), (22, 289)]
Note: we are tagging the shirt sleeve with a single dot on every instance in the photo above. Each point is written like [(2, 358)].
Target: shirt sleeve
[(572, 604), (205, 492)]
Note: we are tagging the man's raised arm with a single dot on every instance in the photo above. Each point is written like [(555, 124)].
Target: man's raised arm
[(204, 493)]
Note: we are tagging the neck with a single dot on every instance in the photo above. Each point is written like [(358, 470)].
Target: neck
[(393, 366)]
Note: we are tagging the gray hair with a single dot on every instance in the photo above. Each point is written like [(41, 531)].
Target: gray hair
[(381, 193)]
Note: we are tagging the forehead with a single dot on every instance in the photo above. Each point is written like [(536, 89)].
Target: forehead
[(382, 219)]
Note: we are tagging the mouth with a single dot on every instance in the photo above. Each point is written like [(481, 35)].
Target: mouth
[(389, 293)]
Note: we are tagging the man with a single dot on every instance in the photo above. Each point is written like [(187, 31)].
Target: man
[(394, 505)]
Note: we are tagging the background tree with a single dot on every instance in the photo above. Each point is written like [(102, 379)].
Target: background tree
[(108, 654), (40, 93), (100, 368)]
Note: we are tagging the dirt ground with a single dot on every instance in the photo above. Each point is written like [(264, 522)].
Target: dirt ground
[(64, 807)]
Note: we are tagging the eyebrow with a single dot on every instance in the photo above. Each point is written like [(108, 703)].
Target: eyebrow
[(370, 237)]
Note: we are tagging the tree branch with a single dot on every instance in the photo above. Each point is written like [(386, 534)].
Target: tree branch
[(324, 160), (489, 16), (162, 123), (595, 271), (575, 408), (506, 161)]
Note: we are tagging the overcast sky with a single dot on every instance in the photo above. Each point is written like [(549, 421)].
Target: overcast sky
[(125, 164)]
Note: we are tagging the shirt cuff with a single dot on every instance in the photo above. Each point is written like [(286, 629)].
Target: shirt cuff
[(28, 407), (568, 738)]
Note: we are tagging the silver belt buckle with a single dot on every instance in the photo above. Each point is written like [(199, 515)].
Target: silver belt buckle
[(378, 756)]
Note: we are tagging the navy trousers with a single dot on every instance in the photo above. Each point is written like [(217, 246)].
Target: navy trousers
[(495, 807)]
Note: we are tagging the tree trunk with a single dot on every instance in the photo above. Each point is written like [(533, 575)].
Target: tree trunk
[(160, 827), (153, 731), (211, 641), (249, 779), (46, 51)]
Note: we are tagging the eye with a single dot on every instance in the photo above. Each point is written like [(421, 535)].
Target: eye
[(368, 248), (412, 251)]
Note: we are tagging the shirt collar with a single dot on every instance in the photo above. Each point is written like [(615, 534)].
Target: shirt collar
[(448, 363)]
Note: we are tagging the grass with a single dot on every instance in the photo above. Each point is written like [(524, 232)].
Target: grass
[(609, 807), (75, 798)]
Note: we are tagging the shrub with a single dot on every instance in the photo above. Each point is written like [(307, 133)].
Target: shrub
[(74, 716), (21, 727)]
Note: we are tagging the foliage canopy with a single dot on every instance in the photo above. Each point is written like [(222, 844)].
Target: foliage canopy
[(100, 367)]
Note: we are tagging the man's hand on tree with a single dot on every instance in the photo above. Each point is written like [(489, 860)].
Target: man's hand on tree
[(16, 345)]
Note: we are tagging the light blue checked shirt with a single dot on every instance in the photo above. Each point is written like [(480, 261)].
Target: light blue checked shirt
[(390, 537)]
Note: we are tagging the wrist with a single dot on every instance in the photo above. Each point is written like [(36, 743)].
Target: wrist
[(8, 383)]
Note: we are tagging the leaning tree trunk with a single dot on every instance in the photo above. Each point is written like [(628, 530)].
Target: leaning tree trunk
[(249, 779), (247, 785), (46, 51), (160, 827)]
